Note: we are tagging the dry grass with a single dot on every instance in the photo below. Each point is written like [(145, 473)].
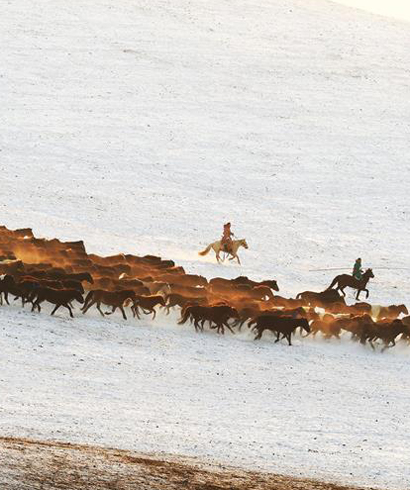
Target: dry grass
[(32, 465)]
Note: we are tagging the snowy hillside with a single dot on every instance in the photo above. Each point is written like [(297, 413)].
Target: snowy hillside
[(141, 127)]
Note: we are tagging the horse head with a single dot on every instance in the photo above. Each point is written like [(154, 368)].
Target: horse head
[(243, 243), (89, 278), (304, 323), (272, 284), (79, 297), (369, 273), (403, 309)]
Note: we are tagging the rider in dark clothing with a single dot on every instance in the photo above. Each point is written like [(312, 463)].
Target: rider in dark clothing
[(357, 269)]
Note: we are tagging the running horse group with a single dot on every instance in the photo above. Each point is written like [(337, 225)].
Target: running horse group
[(64, 273)]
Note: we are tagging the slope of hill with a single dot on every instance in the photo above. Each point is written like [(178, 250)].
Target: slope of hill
[(143, 127)]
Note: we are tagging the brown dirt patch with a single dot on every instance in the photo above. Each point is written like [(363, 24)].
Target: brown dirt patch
[(32, 465)]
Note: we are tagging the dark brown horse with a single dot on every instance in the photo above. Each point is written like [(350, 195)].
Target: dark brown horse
[(280, 325), (387, 332), (345, 280), (115, 299), (58, 297), (218, 315), (245, 280), (321, 299), (173, 300), (147, 304), (80, 276), (8, 285), (55, 284)]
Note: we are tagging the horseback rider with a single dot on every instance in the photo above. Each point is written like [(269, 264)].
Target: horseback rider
[(226, 240), (357, 269)]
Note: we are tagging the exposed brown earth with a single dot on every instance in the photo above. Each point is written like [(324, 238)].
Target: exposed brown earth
[(31, 465)]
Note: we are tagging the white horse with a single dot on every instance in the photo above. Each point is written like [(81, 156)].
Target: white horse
[(218, 247)]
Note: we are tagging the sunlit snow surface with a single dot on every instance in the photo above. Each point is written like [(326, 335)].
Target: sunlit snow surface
[(142, 127)]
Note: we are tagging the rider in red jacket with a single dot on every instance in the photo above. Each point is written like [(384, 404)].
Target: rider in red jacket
[(226, 240)]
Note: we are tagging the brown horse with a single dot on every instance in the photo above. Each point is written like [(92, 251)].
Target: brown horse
[(345, 280), (173, 300), (321, 299), (387, 332), (280, 325), (245, 280), (260, 293), (219, 315), (8, 286), (391, 312), (147, 304), (58, 297), (115, 299)]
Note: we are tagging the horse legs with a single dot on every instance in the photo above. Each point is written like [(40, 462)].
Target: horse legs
[(67, 305), (135, 311), (288, 336), (112, 311), (123, 312), (228, 327), (36, 303), (367, 292), (386, 346), (239, 323), (86, 308), (154, 313), (99, 309), (342, 290), (55, 309), (69, 309), (198, 328)]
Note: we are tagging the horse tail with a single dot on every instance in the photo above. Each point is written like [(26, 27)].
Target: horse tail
[(184, 317), (334, 282), (204, 252)]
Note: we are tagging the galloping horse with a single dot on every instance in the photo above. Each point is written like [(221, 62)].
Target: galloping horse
[(218, 247), (344, 280)]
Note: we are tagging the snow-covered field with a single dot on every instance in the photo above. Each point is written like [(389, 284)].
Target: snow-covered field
[(334, 411), (142, 126)]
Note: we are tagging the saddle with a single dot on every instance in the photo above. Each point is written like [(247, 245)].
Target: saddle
[(227, 247)]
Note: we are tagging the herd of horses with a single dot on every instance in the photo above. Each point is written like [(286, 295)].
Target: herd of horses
[(36, 271)]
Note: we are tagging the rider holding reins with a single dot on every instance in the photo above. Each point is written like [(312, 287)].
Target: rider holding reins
[(357, 269), (226, 240)]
